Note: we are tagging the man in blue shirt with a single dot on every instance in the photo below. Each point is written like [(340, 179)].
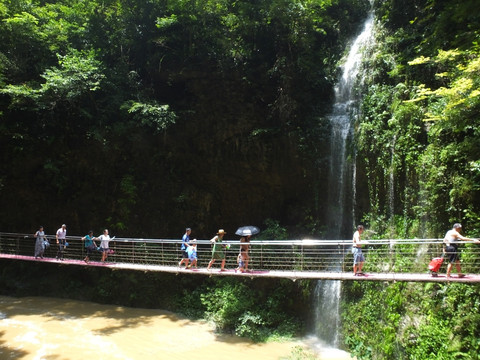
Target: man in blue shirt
[(185, 245)]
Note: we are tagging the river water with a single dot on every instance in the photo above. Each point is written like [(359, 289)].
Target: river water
[(50, 328)]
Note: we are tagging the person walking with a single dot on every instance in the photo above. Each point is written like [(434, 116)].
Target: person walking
[(39, 243), (241, 263), (451, 240), (90, 245), (104, 244), (61, 237), (358, 258), (184, 247), (245, 247), (217, 252), (192, 254)]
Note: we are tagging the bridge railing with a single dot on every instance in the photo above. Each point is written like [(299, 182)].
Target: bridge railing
[(385, 256)]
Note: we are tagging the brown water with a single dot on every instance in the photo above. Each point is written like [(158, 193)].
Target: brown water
[(49, 328)]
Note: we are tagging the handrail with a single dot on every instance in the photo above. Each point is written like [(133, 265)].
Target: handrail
[(304, 242), (382, 255)]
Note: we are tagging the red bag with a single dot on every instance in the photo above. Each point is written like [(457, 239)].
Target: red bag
[(435, 264)]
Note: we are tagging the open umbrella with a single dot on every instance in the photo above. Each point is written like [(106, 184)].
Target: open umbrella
[(247, 230)]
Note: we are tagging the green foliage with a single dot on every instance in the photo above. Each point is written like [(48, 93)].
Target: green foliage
[(145, 115), (250, 312), (157, 116), (452, 110), (429, 339), (411, 321), (225, 304), (251, 325), (79, 74), (417, 141), (300, 353), (273, 231), (174, 94)]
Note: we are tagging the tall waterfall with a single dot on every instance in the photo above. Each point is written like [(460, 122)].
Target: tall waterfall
[(340, 184), (341, 188)]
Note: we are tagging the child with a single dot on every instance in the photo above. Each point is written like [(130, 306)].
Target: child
[(192, 254), (241, 263)]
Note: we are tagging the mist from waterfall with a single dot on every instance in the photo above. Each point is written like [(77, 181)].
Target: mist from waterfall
[(341, 187)]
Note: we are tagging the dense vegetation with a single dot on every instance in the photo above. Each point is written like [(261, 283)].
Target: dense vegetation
[(413, 321), (417, 138), (418, 151), (147, 116)]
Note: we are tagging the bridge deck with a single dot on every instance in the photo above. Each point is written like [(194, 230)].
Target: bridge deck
[(293, 275)]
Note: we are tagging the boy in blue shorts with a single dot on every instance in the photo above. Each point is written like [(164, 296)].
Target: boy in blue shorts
[(192, 254)]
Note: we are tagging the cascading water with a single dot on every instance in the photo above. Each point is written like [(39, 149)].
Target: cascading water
[(340, 221), (391, 183), (341, 186)]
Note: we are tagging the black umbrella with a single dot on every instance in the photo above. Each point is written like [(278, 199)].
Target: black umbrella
[(247, 230)]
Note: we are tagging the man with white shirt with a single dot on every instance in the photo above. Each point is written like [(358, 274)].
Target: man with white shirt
[(61, 241), (358, 258), (451, 240)]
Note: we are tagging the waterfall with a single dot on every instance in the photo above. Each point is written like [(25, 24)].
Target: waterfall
[(341, 187), (391, 183)]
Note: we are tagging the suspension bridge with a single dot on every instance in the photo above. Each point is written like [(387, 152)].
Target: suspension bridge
[(386, 260)]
